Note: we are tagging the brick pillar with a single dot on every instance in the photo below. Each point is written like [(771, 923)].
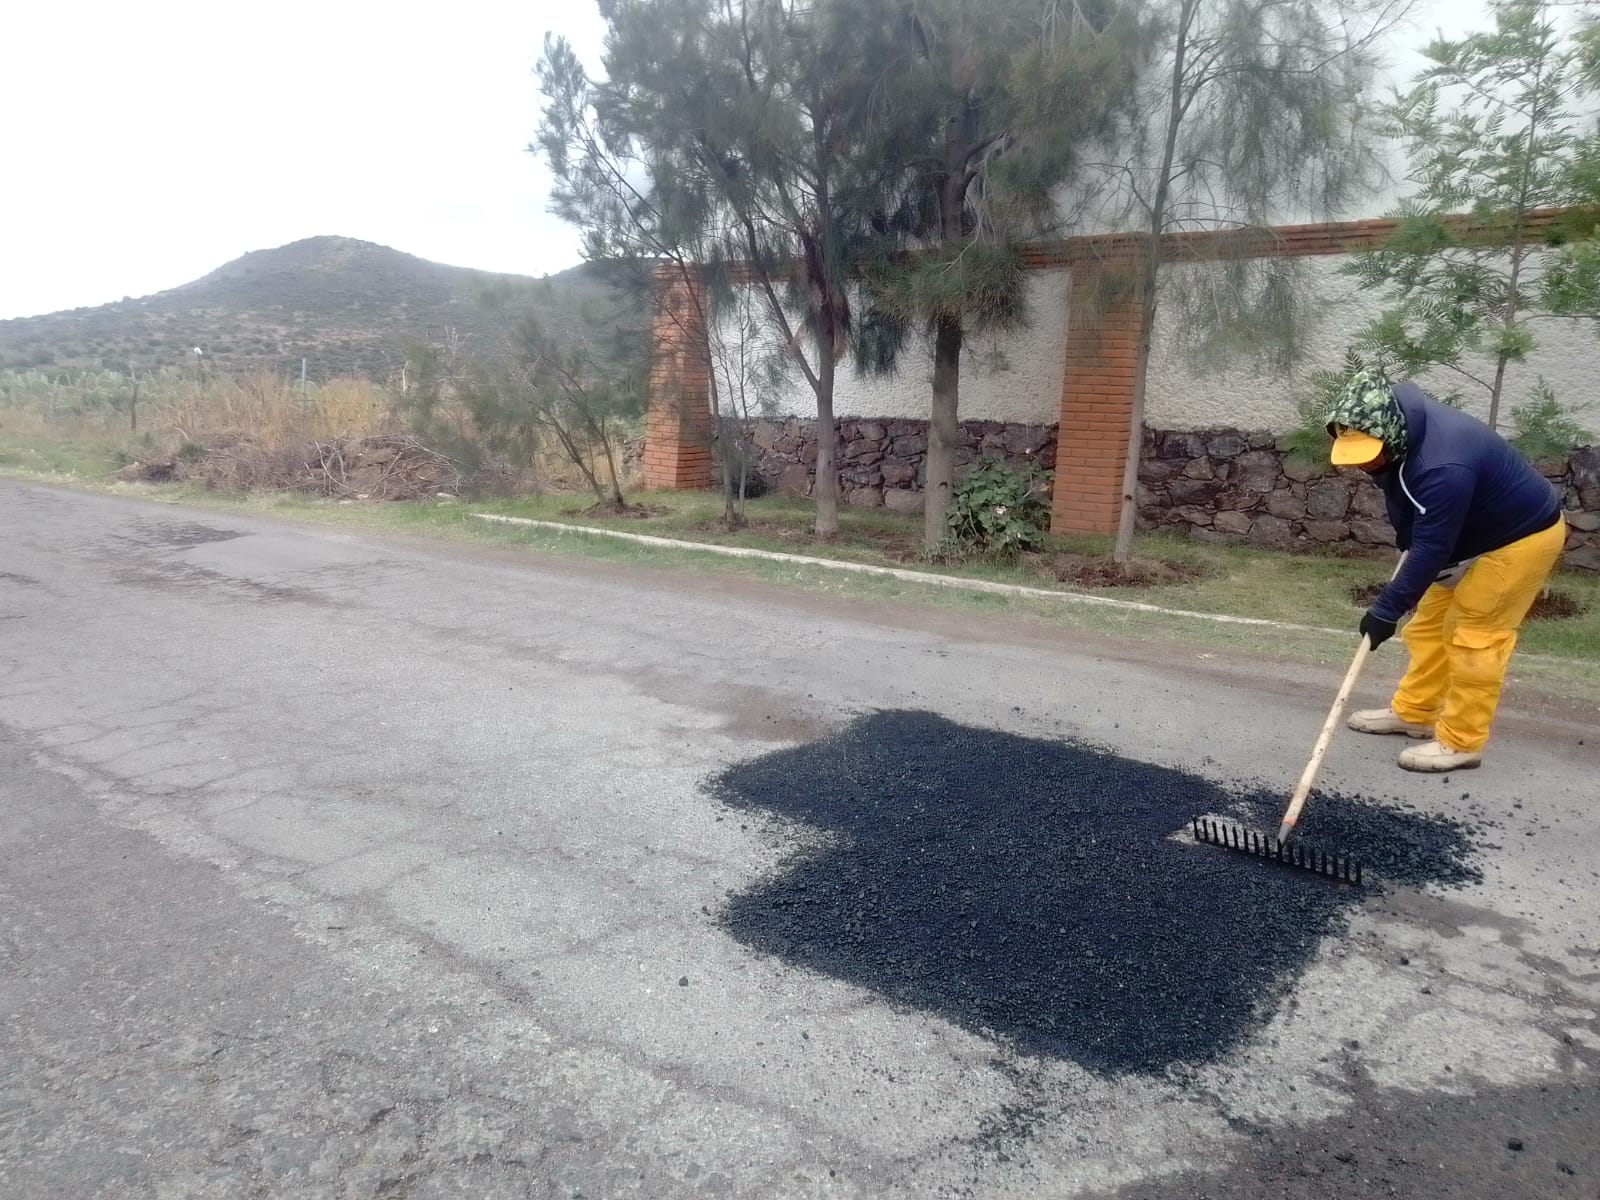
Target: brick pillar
[(1096, 394), (678, 423)]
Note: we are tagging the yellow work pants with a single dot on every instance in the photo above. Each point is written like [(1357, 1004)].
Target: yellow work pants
[(1462, 636)]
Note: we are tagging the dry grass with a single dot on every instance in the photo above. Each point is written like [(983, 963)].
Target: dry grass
[(173, 409), (272, 411), (25, 424), (250, 431)]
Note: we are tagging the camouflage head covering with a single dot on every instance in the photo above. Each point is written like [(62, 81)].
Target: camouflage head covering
[(1367, 404)]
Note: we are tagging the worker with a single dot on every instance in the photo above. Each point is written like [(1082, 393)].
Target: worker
[(1481, 532)]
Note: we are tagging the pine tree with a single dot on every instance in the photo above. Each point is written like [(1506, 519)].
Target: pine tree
[(983, 123), (731, 131), (1492, 129), (1254, 117)]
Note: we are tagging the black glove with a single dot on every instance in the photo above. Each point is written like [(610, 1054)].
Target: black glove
[(1377, 631)]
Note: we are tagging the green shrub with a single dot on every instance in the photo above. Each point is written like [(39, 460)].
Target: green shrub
[(1544, 429), (998, 511), (1309, 440)]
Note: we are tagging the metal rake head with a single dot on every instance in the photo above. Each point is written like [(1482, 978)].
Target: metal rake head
[(1290, 854)]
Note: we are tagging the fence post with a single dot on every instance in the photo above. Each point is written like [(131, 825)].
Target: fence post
[(678, 419), (1103, 317)]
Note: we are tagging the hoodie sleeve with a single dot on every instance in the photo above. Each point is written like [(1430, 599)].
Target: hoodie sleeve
[(1441, 499)]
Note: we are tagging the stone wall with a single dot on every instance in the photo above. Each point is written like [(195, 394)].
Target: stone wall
[(1073, 365), (1223, 485), (882, 463), (1228, 486)]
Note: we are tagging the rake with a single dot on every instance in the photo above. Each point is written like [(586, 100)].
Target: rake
[(1234, 837), (1342, 867)]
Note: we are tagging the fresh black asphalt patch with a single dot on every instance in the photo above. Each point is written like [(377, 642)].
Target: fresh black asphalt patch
[(1031, 890)]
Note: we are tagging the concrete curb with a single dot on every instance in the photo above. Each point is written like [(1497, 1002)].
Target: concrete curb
[(927, 577), (950, 581)]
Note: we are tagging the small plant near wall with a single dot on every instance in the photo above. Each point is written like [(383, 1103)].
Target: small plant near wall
[(998, 511), (1544, 428)]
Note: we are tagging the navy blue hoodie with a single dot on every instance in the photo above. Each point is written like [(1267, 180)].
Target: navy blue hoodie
[(1460, 491)]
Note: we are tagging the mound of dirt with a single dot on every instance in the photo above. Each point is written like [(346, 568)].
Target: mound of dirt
[(1092, 570), (610, 508), (1552, 606)]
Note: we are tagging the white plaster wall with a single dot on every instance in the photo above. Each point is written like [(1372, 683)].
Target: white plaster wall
[(1180, 396), (1015, 377), (1018, 377)]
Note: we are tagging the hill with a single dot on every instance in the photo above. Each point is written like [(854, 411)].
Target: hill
[(346, 306)]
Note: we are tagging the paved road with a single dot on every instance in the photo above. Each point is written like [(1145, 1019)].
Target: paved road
[(340, 865)]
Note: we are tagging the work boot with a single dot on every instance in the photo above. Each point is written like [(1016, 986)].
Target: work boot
[(1435, 757), (1383, 720)]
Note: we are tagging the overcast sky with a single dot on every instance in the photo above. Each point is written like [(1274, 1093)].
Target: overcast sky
[(145, 144)]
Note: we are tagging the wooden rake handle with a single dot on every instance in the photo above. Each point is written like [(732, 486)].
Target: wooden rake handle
[(1320, 750), (1309, 775)]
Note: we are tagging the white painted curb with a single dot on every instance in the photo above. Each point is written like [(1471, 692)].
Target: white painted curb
[(928, 577)]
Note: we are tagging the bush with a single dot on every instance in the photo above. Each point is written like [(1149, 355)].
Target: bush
[(999, 511), (740, 459), (1543, 429), (1309, 440)]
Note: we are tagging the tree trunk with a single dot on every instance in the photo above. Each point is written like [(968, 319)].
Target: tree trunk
[(1510, 319), (825, 491), (1495, 390), (600, 436), (1127, 516), (616, 477), (1149, 276), (576, 454), (730, 510), (944, 423), (1518, 253), (944, 432), (594, 483)]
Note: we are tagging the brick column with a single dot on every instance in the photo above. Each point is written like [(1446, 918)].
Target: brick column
[(1096, 393), (678, 423)]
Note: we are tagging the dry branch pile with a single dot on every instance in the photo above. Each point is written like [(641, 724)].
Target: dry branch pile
[(380, 467)]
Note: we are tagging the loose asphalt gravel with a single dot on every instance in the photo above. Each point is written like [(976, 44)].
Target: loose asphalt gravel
[(1033, 890)]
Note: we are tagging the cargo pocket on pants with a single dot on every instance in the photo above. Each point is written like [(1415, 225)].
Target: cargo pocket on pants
[(1478, 661), (1480, 655)]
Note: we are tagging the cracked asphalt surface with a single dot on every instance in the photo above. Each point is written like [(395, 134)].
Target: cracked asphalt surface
[(346, 865)]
